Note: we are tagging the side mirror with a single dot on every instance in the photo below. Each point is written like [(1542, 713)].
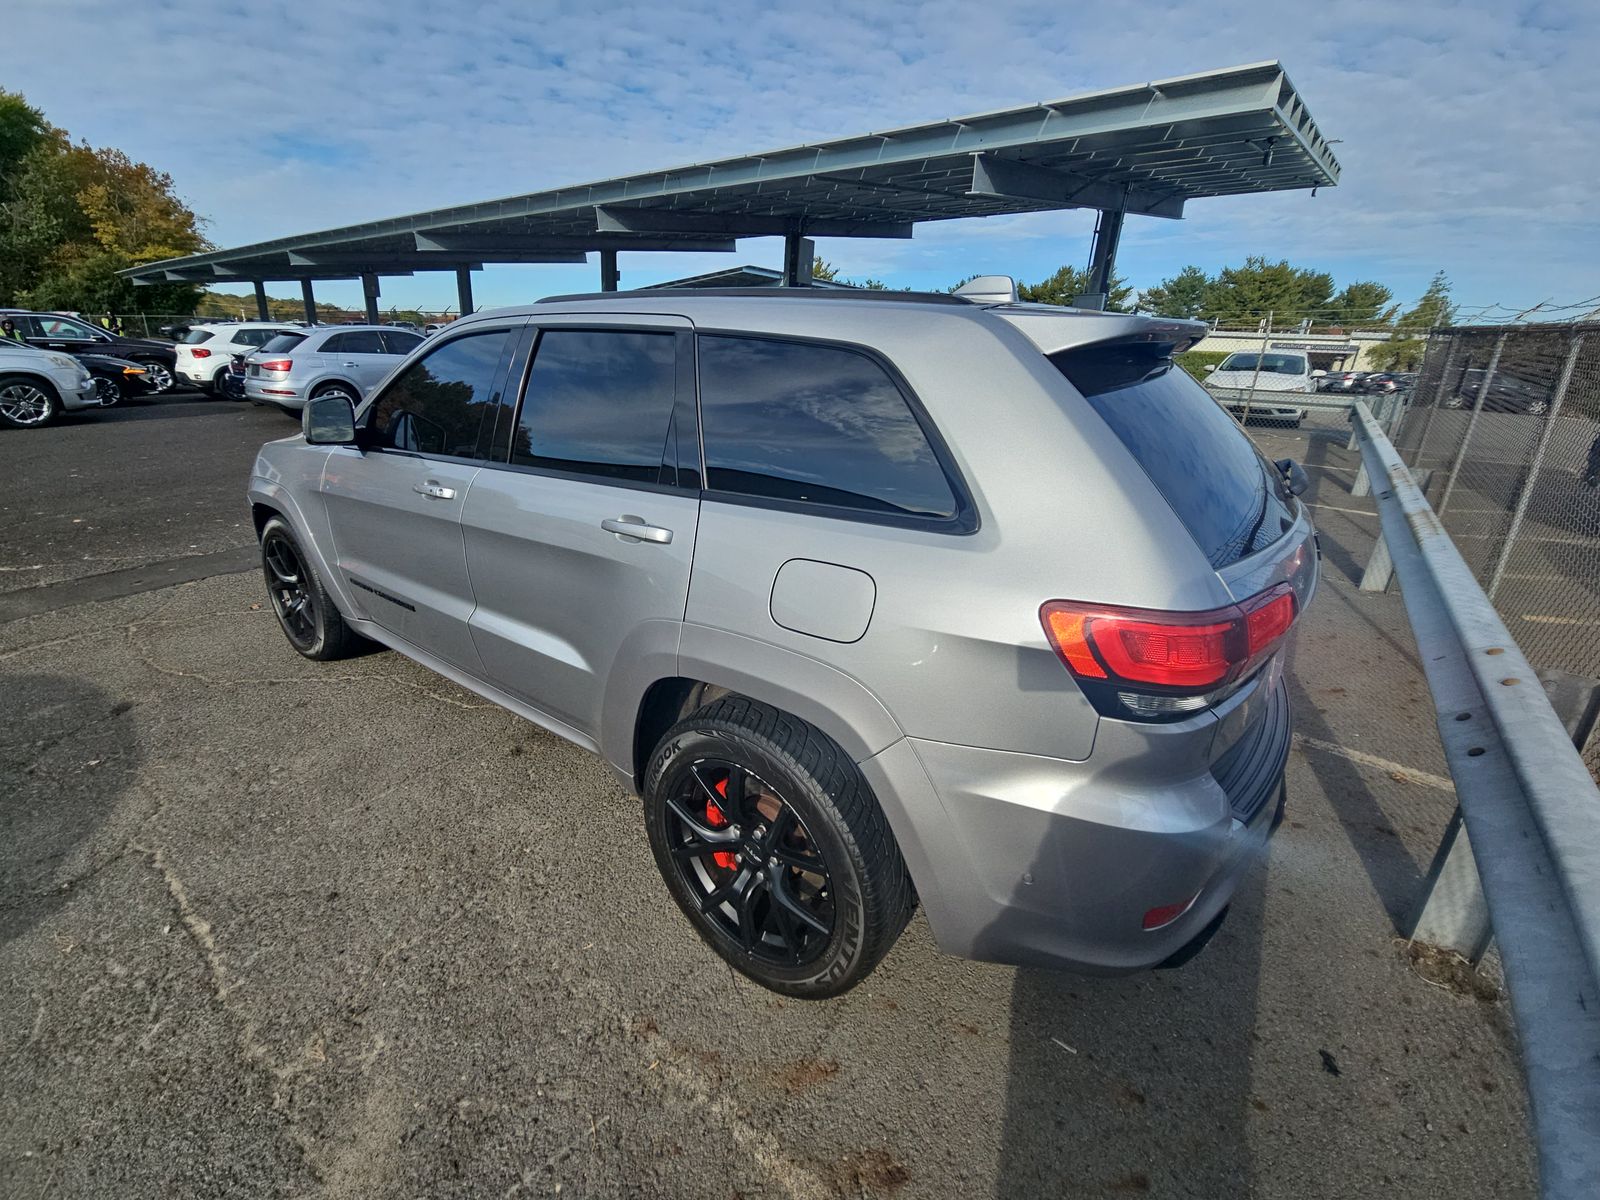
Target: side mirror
[(1209, 367), (329, 421), (1319, 374), (1294, 475)]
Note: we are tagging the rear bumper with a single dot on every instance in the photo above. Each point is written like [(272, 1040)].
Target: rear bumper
[(1045, 862), (269, 391)]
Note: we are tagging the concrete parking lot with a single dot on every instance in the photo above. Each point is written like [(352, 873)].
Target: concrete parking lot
[(270, 927)]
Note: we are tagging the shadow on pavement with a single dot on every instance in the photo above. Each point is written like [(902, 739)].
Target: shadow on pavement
[(69, 752), (1154, 1094)]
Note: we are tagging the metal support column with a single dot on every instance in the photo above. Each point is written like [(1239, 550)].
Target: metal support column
[(798, 255), (309, 299), (1531, 481), (1103, 259), (464, 290), (369, 289), (1472, 423), (261, 302), (610, 277)]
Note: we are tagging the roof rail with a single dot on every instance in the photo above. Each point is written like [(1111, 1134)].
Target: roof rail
[(782, 293)]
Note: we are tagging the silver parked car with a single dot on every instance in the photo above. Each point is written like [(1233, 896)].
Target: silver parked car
[(874, 598), (340, 360)]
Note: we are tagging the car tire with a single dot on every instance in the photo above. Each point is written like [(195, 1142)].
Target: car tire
[(309, 618), (829, 893), (27, 403)]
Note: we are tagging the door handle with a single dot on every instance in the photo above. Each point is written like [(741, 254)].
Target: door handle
[(633, 529), (349, 364), (434, 491)]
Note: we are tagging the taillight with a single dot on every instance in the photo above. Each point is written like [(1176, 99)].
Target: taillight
[(277, 364), (1165, 665), (201, 353)]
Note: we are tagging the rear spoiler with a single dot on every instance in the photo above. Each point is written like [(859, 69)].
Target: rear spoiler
[(1055, 329)]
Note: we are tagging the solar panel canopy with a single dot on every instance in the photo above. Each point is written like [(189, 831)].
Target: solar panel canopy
[(1147, 149)]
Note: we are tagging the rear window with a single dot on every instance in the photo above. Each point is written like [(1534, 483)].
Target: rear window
[(1199, 459), (195, 336), (284, 341)]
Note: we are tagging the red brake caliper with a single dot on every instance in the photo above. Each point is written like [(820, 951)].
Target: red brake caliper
[(718, 819)]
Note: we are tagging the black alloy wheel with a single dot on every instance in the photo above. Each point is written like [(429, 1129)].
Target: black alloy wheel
[(293, 599), (750, 862)]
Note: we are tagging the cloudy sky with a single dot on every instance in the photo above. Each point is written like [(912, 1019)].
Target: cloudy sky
[(1469, 132)]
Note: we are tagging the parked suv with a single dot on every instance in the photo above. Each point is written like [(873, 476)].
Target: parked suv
[(874, 598), (341, 360), (69, 335), (205, 352), (36, 386)]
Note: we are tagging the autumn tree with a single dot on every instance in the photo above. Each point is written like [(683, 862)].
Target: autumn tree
[(72, 216)]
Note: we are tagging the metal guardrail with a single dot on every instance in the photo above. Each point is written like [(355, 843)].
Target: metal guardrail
[(1532, 824)]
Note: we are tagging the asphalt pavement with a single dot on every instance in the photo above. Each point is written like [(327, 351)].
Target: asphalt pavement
[(277, 928)]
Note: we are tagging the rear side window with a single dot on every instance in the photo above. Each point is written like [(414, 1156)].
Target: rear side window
[(397, 342), (444, 403), (599, 403), (1195, 454), (195, 336), (284, 341), (815, 424), (254, 337)]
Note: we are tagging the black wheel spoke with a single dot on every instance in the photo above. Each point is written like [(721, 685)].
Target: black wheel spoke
[(784, 898), (711, 839), (745, 906)]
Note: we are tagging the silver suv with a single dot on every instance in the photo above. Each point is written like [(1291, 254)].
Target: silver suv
[(873, 598), (337, 360)]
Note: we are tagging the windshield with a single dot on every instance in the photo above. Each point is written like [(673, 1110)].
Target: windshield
[(1199, 459), (1271, 364)]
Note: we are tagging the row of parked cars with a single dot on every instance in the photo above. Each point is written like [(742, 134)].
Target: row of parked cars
[(47, 356)]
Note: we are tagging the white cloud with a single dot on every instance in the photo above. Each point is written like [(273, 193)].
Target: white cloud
[(1468, 129)]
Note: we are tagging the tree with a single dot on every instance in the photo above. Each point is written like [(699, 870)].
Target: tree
[(1433, 310), (1362, 303), (1250, 292), (1184, 295), (821, 268), (73, 216), (1068, 283)]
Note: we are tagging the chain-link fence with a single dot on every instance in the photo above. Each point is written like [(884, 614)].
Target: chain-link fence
[(1507, 419)]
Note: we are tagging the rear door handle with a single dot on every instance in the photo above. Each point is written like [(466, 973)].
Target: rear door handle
[(349, 364), (633, 529), (434, 491)]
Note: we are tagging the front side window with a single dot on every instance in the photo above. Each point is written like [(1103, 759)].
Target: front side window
[(599, 402), (815, 424), (61, 327), (445, 403)]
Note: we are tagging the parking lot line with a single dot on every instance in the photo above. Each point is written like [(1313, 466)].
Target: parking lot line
[(1394, 769)]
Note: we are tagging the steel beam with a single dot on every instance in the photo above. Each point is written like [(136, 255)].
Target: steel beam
[(369, 291), (1010, 179), (413, 260), (667, 220), (261, 300), (1103, 260), (309, 299), (490, 247), (609, 276), (464, 290)]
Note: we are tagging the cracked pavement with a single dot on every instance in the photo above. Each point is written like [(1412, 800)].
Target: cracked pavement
[(275, 928)]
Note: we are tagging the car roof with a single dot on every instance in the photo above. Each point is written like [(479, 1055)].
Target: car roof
[(848, 315)]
